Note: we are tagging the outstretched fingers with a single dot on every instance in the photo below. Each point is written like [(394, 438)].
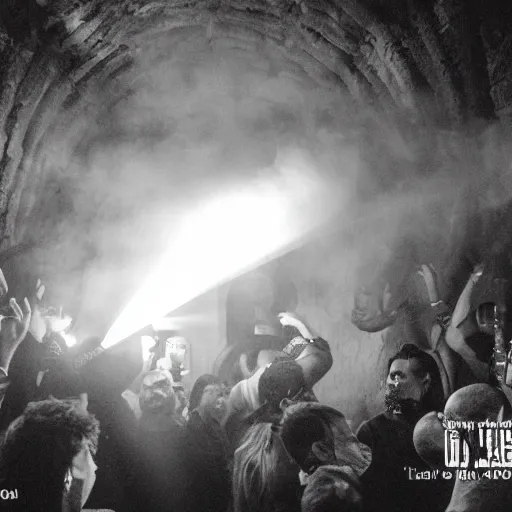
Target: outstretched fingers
[(23, 316), (27, 315)]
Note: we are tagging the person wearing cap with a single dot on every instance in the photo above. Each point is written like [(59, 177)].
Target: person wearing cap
[(330, 457), (304, 361), (208, 487)]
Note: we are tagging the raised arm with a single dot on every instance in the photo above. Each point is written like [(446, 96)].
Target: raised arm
[(13, 330), (311, 352)]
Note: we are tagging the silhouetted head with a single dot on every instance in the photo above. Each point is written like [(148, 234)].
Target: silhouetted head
[(264, 472), (332, 489), (429, 440), (316, 435), (157, 393), (476, 402), (208, 398), (51, 441)]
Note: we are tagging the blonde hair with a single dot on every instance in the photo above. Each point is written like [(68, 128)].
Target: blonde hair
[(256, 470)]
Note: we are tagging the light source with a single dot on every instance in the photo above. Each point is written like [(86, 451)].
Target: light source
[(231, 234), (177, 351), (214, 243), (68, 338)]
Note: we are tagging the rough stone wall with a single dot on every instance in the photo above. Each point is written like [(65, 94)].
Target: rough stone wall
[(412, 63)]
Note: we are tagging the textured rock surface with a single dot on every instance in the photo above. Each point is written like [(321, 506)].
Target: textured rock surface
[(389, 55)]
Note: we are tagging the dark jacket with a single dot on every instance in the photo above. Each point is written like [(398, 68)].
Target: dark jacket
[(161, 474), (208, 476), (388, 485), (23, 371)]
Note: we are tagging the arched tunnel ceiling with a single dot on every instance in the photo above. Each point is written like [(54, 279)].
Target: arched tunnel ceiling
[(112, 109)]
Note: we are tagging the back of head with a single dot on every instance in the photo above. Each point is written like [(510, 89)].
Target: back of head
[(300, 434), (199, 387), (332, 489), (262, 472), (476, 402), (282, 379), (429, 439), (38, 449), (315, 434)]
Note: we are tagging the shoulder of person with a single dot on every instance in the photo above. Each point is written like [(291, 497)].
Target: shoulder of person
[(367, 427), (320, 343), (195, 427), (243, 394), (382, 417)]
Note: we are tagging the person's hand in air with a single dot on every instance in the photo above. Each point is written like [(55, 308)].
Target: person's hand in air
[(13, 329), (147, 343), (291, 319), (38, 325)]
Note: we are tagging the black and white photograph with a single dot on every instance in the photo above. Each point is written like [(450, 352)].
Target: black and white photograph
[(255, 255)]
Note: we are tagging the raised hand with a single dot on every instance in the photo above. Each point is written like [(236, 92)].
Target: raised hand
[(38, 325), (290, 319), (13, 330), (147, 343)]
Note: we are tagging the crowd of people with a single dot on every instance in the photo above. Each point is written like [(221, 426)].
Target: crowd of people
[(77, 433)]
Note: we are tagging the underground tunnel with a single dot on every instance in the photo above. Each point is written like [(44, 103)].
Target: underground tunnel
[(218, 162)]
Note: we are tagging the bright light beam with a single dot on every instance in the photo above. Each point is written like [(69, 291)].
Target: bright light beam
[(233, 234), (214, 243)]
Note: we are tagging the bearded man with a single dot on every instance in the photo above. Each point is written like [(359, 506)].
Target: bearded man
[(413, 389)]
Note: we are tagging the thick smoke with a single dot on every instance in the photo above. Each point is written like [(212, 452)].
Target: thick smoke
[(191, 131), (214, 121)]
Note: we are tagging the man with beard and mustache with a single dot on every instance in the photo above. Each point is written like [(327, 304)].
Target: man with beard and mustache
[(160, 443), (413, 389)]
